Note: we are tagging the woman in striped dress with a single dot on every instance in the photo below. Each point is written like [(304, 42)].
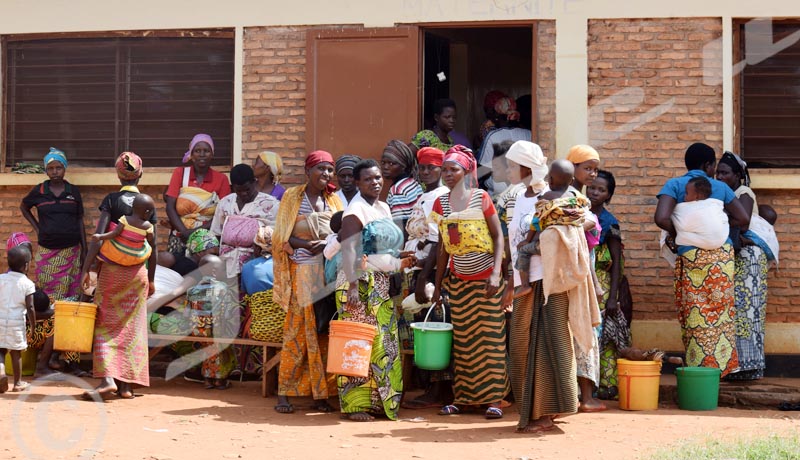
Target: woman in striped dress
[(399, 164), (472, 241)]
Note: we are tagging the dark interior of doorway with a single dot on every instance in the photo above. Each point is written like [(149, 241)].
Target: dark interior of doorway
[(474, 61)]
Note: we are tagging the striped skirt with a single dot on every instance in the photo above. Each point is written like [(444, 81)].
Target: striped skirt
[(479, 342), (542, 360)]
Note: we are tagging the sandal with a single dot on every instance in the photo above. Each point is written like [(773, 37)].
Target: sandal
[(209, 384), (284, 409), (226, 384), (494, 413), (450, 409), (21, 386)]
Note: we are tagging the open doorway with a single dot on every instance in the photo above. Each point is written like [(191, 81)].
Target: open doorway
[(466, 63)]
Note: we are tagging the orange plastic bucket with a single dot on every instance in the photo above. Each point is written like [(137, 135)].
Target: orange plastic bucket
[(350, 347), (74, 326), (639, 382)]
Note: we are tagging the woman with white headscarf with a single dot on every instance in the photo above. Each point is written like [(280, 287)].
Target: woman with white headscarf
[(542, 360)]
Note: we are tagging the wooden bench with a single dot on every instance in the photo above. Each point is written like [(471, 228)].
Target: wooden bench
[(271, 356)]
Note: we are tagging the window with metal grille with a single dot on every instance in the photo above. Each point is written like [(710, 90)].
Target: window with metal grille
[(96, 97), (767, 92)]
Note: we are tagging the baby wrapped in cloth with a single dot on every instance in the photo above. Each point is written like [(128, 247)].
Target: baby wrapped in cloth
[(702, 224)]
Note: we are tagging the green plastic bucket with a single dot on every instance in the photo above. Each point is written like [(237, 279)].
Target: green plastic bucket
[(433, 342), (698, 387)]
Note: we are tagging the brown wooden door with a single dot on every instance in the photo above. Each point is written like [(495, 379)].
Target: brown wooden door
[(362, 89)]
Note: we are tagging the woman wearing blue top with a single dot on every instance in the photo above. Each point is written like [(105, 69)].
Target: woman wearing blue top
[(706, 309)]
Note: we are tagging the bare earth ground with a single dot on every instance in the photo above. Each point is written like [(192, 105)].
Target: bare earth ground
[(181, 420)]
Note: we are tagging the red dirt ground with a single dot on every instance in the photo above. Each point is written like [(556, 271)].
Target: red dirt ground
[(180, 420)]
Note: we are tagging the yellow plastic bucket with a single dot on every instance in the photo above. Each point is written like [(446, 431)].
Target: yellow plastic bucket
[(28, 362), (350, 347), (74, 326), (638, 384)]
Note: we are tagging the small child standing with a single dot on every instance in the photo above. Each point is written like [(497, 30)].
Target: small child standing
[(130, 242), (16, 303), (561, 176)]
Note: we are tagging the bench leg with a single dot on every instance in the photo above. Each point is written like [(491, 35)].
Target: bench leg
[(270, 369)]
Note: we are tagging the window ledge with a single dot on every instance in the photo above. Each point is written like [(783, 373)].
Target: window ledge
[(775, 179), (92, 177)]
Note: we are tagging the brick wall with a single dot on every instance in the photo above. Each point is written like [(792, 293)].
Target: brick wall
[(641, 66), (546, 87), (274, 92), (11, 219)]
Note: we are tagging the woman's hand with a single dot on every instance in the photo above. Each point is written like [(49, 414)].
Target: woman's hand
[(493, 284), (85, 281), (352, 294), (507, 301), (419, 292), (316, 246), (407, 262), (287, 248), (151, 288), (612, 305)]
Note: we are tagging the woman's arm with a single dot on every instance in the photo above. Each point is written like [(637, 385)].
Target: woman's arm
[(615, 248), (30, 311), (28, 215), (175, 219), (663, 216), (151, 263), (442, 258), (496, 231), (424, 275), (90, 261), (350, 235), (738, 216), (747, 204)]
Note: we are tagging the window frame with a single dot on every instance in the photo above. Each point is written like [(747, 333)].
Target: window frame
[(212, 33)]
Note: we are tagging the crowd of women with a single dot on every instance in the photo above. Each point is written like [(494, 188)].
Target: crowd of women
[(438, 239)]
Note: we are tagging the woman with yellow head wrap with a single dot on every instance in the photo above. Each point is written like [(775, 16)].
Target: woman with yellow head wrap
[(268, 168), (586, 161)]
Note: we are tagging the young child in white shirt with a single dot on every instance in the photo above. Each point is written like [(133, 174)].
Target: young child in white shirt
[(16, 304)]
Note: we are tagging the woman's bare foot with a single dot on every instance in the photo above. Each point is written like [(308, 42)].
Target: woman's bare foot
[(103, 391), (592, 405), (321, 405), (539, 425), (284, 406), (358, 417), (522, 291)]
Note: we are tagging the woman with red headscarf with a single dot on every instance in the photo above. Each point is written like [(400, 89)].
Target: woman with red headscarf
[(472, 242), (302, 225)]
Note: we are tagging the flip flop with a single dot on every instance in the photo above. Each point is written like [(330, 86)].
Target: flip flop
[(284, 408), (493, 413), (223, 386), (21, 386), (450, 409)]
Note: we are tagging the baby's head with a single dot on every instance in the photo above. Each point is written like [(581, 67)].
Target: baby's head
[(143, 206), (41, 302), (698, 188), (561, 174), (768, 213), (336, 221), (18, 259)]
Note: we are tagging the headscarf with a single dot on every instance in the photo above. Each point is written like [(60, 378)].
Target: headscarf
[(346, 162), (399, 152), (263, 240), (201, 240), (195, 140), (430, 156), (530, 155), (581, 152), (16, 239), (463, 157), (491, 99), (737, 165), (320, 156), (508, 107), (275, 164), (128, 166), (55, 155)]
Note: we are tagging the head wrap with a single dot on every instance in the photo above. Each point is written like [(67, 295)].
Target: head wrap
[(399, 152), (531, 156), (430, 156), (581, 152), (128, 166), (201, 240), (263, 240), (16, 239), (463, 157), (508, 107), (737, 165), (346, 162), (55, 155), (195, 140), (491, 99), (274, 163), (320, 156)]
